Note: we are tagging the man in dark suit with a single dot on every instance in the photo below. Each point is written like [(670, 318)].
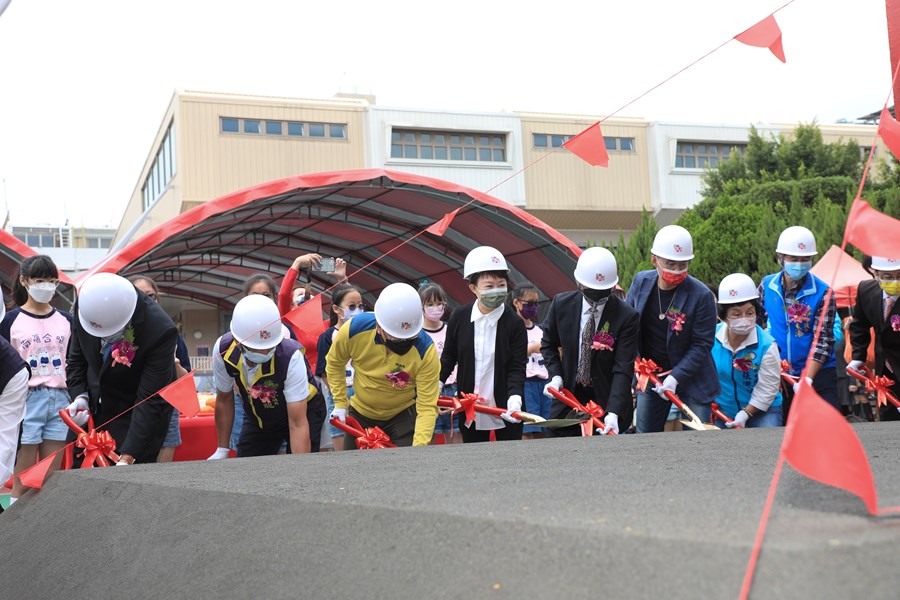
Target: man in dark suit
[(489, 344), (678, 326), (590, 343), (121, 351), (876, 308)]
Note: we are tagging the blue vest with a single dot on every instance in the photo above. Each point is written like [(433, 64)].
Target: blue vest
[(794, 339), (269, 408), (737, 385)]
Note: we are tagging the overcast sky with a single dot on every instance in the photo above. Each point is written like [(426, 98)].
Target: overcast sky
[(84, 84)]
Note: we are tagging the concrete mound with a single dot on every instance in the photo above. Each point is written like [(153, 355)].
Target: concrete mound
[(651, 516)]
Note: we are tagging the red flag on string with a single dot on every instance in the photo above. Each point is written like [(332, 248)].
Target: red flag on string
[(893, 26), (34, 477), (889, 130), (765, 34), (441, 226), (589, 146), (308, 317), (873, 232), (182, 395), (819, 443)]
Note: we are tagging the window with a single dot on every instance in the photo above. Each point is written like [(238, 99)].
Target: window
[(295, 128), (337, 131), (316, 130), (547, 140), (440, 145), (229, 125), (703, 155), (273, 127), (251, 126), (163, 168)]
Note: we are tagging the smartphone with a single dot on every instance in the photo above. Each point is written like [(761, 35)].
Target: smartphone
[(326, 265)]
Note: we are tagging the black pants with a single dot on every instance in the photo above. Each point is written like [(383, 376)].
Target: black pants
[(825, 384), (400, 428), (316, 413), (512, 431), (254, 441)]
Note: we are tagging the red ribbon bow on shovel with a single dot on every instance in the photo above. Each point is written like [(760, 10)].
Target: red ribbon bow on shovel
[(877, 384), (367, 438), (594, 410), (98, 445), (646, 371)]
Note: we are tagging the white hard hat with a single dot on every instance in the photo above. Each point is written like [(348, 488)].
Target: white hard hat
[(596, 269), (483, 258), (256, 323), (737, 288), (796, 241), (673, 242), (106, 303), (879, 263), (398, 311)]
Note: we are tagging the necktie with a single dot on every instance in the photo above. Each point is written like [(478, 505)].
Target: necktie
[(583, 376), (888, 307)]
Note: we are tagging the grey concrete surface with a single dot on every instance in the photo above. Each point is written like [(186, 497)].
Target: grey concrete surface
[(652, 516)]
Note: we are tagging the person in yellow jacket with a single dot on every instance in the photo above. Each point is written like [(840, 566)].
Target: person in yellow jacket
[(396, 369)]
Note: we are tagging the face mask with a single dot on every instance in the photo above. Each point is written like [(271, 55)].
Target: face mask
[(673, 277), (742, 326), (434, 313), (299, 299), (492, 298), (399, 347), (891, 288), (42, 293), (596, 296), (259, 357), (529, 311), (349, 314), (797, 270)]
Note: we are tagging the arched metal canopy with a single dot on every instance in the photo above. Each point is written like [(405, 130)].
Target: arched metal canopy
[(206, 253)]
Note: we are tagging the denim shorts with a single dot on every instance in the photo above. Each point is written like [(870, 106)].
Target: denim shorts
[(536, 402), (329, 406), (444, 423), (42, 420), (173, 435)]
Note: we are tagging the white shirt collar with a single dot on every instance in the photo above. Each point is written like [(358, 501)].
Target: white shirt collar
[(722, 336), (492, 316)]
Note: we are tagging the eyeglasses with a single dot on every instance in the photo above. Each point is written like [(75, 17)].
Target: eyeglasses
[(535, 303), (673, 265), (892, 277), (354, 306)]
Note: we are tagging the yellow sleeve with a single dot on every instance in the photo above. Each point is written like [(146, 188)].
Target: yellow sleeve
[(427, 391), (336, 365)]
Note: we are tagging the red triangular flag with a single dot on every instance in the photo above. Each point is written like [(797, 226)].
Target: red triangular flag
[(889, 130), (872, 232), (34, 477), (765, 34), (441, 226), (819, 443), (589, 146), (308, 317), (893, 27), (182, 395)]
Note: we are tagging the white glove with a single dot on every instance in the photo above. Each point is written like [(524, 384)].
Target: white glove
[(797, 385), (122, 463), (340, 414), (555, 384), (611, 424), (740, 420), (856, 365), (219, 454), (79, 411), (668, 384), (514, 404)]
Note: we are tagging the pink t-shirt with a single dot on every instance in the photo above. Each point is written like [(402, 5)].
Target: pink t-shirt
[(438, 337), (42, 342), (535, 365)]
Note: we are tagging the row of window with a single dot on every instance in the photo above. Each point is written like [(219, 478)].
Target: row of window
[(552, 140), (702, 155), (161, 171), (335, 131), (53, 240), (448, 145)]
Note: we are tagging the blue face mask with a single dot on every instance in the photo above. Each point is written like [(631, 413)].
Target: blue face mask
[(259, 357), (797, 270), (350, 313)]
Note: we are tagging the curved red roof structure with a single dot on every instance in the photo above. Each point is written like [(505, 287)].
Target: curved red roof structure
[(205, 254)]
